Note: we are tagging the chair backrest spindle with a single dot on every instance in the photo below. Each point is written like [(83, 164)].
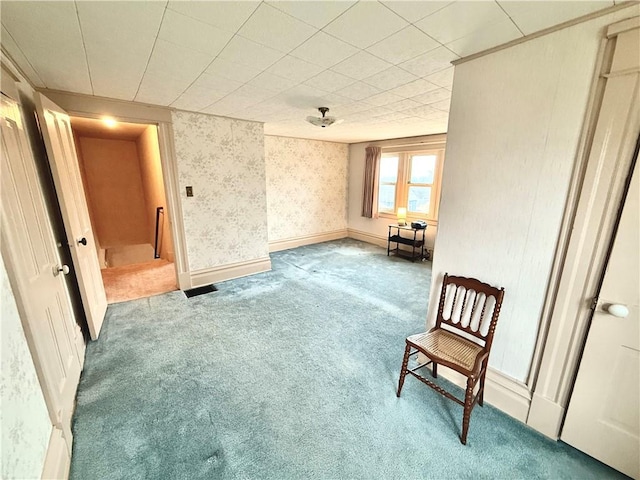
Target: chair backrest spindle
[(481, 295)]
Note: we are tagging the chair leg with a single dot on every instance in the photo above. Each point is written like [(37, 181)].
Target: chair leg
[(403, 371), (484, 374), (468, 405), (434, 370)]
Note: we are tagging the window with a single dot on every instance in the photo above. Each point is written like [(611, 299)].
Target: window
[(410, 179)]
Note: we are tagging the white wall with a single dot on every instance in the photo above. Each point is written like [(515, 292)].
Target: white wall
[(306, 187), (23, 414), (514, 126), (225, 221), (373, 228)]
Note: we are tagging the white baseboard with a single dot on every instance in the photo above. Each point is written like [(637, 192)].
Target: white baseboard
[(503, 392), (294, 242), (367, 237), (227, 272), (545, 416), (57, 460)]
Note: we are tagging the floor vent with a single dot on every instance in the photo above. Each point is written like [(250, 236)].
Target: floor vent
[(194, 292)]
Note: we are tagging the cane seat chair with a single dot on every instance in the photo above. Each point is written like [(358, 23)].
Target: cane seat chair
[(461, 339)]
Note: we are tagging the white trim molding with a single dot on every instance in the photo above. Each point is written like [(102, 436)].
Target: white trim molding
[(367, 237), (57, 459), (294, 242), (207, 276)]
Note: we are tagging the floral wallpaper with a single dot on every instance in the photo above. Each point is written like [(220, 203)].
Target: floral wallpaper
[(23, 414), (223, 160), (306, 186)]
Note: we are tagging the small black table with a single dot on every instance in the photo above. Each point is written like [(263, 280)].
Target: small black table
[(415, 242)]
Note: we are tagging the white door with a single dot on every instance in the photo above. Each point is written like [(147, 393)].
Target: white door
[(58, 138), (29, 249), (603, 417)]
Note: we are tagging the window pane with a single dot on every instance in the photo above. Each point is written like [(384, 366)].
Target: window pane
[(419, 199), (389, 169), (387, 198), (423, 168)]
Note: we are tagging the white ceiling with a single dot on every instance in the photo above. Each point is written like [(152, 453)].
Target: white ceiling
[(383, 67)]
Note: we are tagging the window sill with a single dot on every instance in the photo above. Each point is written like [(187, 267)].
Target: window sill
[(410, 218)]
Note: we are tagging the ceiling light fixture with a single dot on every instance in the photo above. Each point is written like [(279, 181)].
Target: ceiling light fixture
[(109, 122), (323, 121)]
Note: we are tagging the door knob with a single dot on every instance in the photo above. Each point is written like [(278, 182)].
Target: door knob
[(57, 269), (618, 310), (83, 241)]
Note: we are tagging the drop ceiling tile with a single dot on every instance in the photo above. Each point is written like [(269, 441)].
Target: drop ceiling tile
[(443, 78), (302, 97), (43, 28), (415, 10), (226, 15), (272, 82), (316, 13), (193, 34), (361, 65), (20, 59), (378, 111), (422, 111), (404, 45), (489, 36), (118, 42), (171, 60), (273, 28), (433, 96), (430, 62), (414, 88), (243, 51), (358, 91), (329, 81), (226, 68), (533, 16), (460, 19), (196, 98), (390, 78), (402, 105), (254, 93), (216, 84), (443, 105), (384, 98), (294, 69), (351, 108), (365, 23), (160, 90), (325, 50)]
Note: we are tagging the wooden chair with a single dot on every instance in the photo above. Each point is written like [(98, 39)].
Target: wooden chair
[(461, 339)]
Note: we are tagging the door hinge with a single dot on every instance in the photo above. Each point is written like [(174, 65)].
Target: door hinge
[(594, 303)]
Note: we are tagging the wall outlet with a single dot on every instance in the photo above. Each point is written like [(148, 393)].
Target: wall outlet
[(189, 191)]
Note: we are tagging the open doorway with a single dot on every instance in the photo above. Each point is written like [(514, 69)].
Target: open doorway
[(124, 185)]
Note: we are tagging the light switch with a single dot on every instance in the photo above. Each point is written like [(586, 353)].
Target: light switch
[(189, 191)]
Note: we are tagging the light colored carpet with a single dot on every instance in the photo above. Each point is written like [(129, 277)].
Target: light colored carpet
[(290, 374), (130, 282)]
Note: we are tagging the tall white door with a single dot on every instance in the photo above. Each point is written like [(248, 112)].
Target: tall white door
[(58, 138), (29, 249), (603, 418)]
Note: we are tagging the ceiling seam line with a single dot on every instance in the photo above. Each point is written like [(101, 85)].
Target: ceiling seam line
[(25, 57), (84, 47), (216, 57), (509, 16), (153, 47)]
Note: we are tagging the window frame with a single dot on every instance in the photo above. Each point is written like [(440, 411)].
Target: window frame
[(403, 183)]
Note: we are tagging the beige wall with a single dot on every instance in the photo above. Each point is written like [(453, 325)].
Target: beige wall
[(23, 414), (116, 196), (514, 127), (153, 187), (306, 187)]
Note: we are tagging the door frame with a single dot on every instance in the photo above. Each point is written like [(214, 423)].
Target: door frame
[(580, 256), (78, 105)]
